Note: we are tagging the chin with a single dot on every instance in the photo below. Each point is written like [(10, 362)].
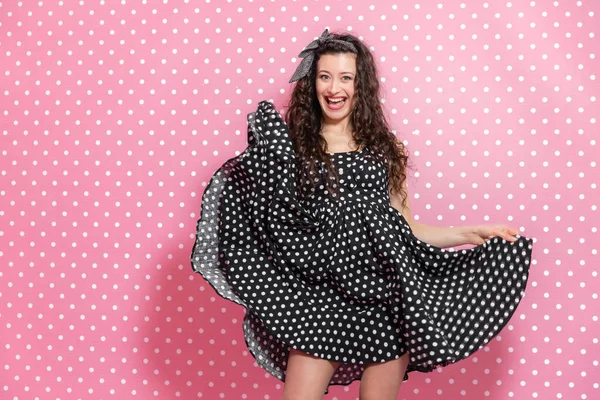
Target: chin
[(335, 115)]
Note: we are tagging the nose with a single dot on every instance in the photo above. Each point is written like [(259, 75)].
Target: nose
[(334, 86)]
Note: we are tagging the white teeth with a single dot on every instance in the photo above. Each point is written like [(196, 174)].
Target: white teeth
[(335, 100)]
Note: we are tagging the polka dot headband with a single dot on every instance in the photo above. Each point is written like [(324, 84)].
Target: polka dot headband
[(308, 54)]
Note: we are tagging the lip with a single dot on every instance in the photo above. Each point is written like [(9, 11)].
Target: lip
[(335, 105)]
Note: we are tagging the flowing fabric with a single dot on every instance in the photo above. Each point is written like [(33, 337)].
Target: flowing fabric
[(343, 277)]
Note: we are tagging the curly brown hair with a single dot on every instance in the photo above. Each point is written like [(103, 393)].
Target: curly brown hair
[(304, 116)]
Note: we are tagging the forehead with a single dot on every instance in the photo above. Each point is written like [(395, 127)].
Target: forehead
[(345, 62)]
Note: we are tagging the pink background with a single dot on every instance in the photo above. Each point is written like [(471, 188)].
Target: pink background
[(114, 115)]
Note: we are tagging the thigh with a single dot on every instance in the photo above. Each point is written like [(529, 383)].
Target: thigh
[(381, 381), (307, 376)]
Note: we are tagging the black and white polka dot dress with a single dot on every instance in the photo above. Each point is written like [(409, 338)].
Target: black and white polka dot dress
[(344, 280)]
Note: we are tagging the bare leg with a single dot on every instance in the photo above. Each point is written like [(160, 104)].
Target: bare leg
[(307, 376), (381, 381)]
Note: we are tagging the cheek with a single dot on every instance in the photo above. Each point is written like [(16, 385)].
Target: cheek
[(353, 95), (319, 88), (351, 91)]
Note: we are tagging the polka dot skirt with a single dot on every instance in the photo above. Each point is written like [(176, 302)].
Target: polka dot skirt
[(344, 278)]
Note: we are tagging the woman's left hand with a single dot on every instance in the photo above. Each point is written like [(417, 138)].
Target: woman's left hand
[(481, 233)]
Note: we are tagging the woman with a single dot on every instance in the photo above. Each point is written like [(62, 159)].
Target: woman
[(310, 229)]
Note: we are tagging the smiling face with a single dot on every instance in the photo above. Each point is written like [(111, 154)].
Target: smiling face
[(336, 74)]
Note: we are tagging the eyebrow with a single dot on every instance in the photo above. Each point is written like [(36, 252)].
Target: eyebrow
[(341, 73)]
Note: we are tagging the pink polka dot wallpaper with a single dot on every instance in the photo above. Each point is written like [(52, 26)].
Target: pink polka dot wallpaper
[(115, 114)]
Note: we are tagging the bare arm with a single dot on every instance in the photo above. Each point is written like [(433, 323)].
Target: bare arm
[(449, 237)]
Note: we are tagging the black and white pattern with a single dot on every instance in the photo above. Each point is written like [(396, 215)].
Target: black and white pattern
[(344, 278)]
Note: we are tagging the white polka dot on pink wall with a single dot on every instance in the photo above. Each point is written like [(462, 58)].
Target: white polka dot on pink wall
[(115, 115)]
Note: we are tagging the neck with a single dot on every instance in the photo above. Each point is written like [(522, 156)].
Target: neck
[(341, 128)]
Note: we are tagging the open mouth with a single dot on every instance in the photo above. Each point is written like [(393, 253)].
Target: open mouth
[(335, 103)]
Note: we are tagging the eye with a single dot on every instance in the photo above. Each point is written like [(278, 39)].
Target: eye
[(347, 77), (323, 77)]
